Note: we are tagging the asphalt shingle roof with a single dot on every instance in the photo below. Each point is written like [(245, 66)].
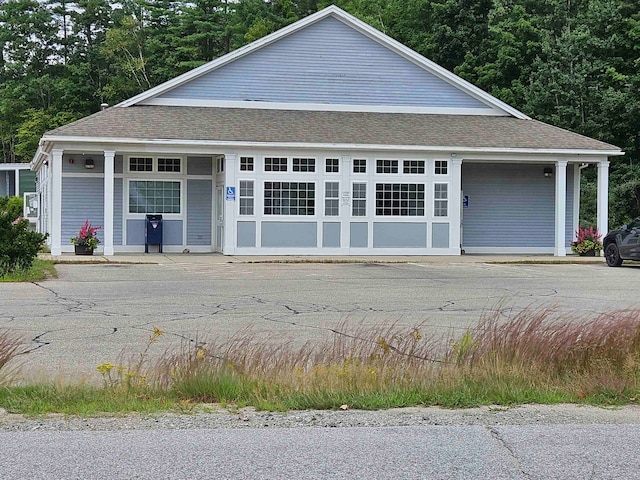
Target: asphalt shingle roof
[(295, 126)]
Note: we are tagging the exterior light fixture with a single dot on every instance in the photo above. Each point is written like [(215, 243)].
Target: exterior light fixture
[(548, 172), (88, 163)]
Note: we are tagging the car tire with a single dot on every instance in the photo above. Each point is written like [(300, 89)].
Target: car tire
[(612, 255)]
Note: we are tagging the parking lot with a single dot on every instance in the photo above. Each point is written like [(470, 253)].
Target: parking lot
[(93, 312)]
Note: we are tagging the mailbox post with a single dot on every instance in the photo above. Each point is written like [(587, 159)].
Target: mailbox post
[(153, 232)]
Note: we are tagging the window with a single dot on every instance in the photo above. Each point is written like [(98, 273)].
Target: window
[(386, 166), (359, 200), (246, 197), (304, 164), (220, 165), (441, 167), (140, 164), (275, 164), (360, 166), (169, 165), (332, 199), (332, 165), (154, 196), (440, 200), (289, 198), (246, 164), (413, 166), (400, 199)]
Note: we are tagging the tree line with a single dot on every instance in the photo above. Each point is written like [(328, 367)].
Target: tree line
[(572, 63)]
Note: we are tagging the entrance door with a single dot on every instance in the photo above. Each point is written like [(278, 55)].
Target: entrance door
[(219, 217)]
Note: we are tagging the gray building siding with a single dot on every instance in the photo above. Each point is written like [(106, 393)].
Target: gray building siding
[(199, 204), (199, 166), (82, 199), (440, 235), (511, 206), (399, 235), (117, 211), (327, 62), (331, 234), (246, 234), (289, 234), (358, 235)]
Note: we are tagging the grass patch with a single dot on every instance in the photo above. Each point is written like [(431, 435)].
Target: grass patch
[(40, 270), (532, 356)]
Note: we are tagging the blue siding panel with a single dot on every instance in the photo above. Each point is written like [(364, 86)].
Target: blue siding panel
[(199, 205), (289, 234), (117, 211), (509, 206), (82, 199), (399, 235), (327, 63)]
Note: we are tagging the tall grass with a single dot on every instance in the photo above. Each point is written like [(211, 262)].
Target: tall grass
[(10, 347), (530, 356)]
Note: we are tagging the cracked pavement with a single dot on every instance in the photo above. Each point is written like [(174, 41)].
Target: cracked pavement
[(93, 313)]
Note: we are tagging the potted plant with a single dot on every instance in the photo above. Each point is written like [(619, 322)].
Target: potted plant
[(86, 240), (587, 242)]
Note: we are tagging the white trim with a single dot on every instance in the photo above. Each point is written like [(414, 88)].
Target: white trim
[(15, 166), (509, 250), (603, 198), (107, 228), (560, 249), (577, 173), (55, 223), (321, 107), (356, 24), (322, 146)]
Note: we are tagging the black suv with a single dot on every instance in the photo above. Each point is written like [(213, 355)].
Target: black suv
[(622, 244)]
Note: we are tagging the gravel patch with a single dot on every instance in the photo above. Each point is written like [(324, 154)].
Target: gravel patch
[(214, 416)]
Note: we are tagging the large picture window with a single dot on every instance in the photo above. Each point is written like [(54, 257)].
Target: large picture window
[(154, 196), (289, 198), (400, 199)]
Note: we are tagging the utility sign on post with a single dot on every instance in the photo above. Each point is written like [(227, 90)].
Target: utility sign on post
[(231, 194), (465, 201)]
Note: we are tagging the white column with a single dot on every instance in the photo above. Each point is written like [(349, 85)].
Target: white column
[(454, 198), (56, 201), (603, 197), (229, 247), (107, 228), (561, 208), (577, 172), (16, 190)]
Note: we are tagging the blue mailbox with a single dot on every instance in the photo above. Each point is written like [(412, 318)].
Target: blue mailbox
[(153, 232)]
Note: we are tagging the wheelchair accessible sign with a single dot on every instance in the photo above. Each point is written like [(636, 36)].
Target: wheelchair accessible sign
[(231, 194)]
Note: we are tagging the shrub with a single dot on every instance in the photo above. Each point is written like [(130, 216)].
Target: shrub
[(18, 246), (11, 205)]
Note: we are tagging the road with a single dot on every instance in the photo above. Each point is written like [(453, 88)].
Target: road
[(420, 452), (91, 314)]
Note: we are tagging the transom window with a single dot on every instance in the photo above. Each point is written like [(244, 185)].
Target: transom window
[(154, 196), (359, 200), (441, 167), (275, 164), (304, 164), (400, 199), (289, 198), (246, 197), (332, 165), (140, 164), (169, 165), (246, 164), (440, 200), (413, 166), (359, 166), (332, 199), (386, 166)]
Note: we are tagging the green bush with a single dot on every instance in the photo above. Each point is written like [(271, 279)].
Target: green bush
[(11, 205), (18, 246)]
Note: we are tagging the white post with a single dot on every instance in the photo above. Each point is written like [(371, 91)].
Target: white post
[(107, 228), (603, 197), (577, 172), (229, 247), (56, 201), (455, 208), (16, 188), (561, 207)]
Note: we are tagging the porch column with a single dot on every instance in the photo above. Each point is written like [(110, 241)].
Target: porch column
[(603, 198), (577, 172), (456, 206), (230, 241), (560, 249), (107, 228), (16, 189), (56, 201)]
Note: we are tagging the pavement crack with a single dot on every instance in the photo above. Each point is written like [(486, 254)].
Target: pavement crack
[(511, 452)]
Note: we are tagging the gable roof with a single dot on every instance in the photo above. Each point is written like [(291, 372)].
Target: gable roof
[(284, 128), (149, 96)]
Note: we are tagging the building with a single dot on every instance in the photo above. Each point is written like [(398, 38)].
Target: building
[(326, 137)]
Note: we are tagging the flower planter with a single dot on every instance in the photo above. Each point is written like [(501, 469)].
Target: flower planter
[(83, 250), (588, 253)]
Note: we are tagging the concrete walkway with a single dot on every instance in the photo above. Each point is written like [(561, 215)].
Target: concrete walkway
[(217, 258)]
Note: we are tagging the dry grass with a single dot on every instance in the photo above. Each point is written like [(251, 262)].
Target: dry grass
[(11, 346)]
